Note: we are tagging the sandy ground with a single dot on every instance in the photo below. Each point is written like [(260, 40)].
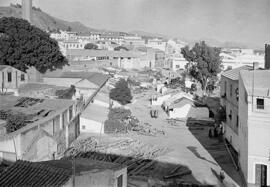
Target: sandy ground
[(186, 149)]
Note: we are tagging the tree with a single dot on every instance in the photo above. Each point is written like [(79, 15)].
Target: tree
[(24, 45), (121, 92), (120, 48), (204, 62), (90, 46)]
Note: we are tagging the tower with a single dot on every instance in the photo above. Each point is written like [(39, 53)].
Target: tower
[(267, 57), (27, 10)]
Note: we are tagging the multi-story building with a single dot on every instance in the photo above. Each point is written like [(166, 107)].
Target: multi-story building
[(235, 58), (229, 100), (157, 43), (246, 97), (36, 129), (11, 78), (267, 56), (254, 129)]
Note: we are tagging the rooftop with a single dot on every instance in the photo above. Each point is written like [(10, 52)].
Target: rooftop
[(94, 77), (3, 67), (95, 112), (234, 73), (50, 173), (256, 82), (95, 53), (39, 89), (40, 110)]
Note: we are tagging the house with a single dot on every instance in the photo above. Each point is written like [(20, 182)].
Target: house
[(157, 43), (235, 58), (11, 78), (229, 90), (78, 172), (93, 118), (184, 107), (134, 40), (24, 138), (159, 100), (178, 62), (253, 130), (86, 83)]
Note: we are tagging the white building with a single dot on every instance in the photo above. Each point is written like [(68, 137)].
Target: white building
[(157, 43), (254, 129), (178, 62), (241, 57)]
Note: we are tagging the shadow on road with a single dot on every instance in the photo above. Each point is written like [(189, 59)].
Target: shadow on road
[(195, 152)]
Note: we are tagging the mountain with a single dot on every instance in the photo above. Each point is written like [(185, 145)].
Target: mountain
[(44, 21)]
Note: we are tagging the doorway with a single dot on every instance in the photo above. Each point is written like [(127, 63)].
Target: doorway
[(261, 175)]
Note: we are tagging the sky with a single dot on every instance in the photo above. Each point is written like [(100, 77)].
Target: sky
[(245, 21)]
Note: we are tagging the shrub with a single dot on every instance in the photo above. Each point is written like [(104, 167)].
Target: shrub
[(121, 92), (114, 125)]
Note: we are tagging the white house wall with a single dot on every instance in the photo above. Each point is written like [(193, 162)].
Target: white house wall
[(91, 126)]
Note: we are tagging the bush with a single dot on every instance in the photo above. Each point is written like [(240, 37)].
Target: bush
[(114, 125), (16, 121), (121, 92), (90, 46)]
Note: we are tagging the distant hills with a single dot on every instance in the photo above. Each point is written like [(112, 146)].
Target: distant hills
[(47, 22), (44, 21)]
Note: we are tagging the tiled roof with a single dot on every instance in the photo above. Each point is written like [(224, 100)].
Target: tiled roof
[(50, 173), (234, 73), (256, 82), (94, 77), (24, 173)]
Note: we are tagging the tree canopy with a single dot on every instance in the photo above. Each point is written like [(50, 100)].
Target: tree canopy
[(204, 62), (90, 46), (121, 92), (23, 45)]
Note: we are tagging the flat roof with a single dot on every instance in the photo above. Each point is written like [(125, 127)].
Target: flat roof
[(33, 87), (94, 77), (256, 82), (96, 112), (40, 110)]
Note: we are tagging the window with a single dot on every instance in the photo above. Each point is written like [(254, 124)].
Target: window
[(9, 76), (56, 124), (260, 103), (70, 112), (237, 121), (22, 77), (177, 66), (83, 126), (230, 115), (120, 181), (231, 90)]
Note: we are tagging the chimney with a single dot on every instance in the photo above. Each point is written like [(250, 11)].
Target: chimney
[(255, 65), (267, 57), (27, 10)]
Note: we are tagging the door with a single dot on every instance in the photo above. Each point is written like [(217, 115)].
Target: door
[(261, 175)]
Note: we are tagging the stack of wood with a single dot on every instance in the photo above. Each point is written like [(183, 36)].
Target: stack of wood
[(81, 146)]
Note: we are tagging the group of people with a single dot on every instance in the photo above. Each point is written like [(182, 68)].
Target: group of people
[(215, 131)]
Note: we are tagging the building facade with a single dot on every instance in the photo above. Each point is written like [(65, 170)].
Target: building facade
[(254, 120), (11, 78)]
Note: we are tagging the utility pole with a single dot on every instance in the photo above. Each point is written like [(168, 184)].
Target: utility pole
[(73, 171)]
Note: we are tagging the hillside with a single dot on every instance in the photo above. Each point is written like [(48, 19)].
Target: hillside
[(45, 21)]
